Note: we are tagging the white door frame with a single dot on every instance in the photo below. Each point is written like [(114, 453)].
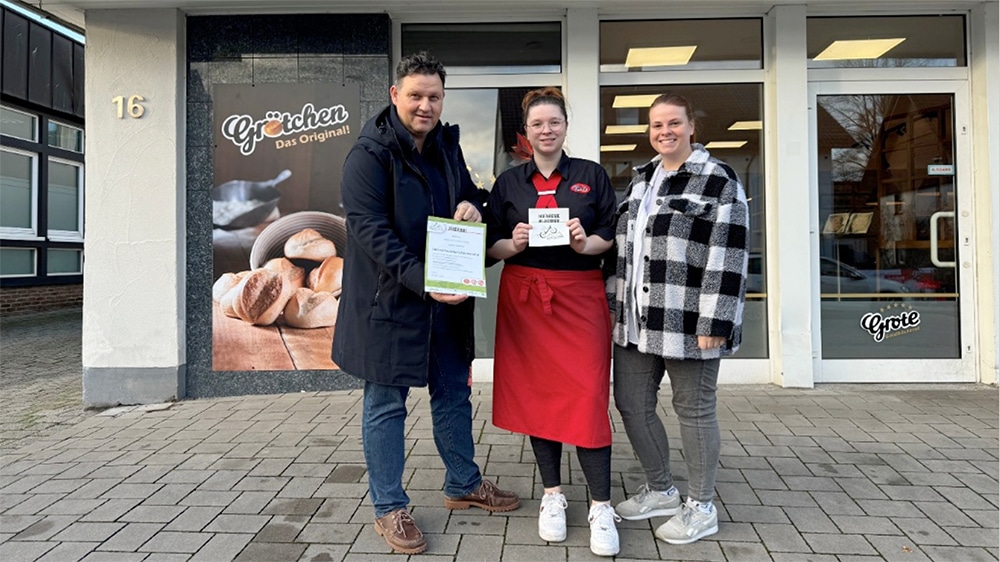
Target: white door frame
[(908, 370)]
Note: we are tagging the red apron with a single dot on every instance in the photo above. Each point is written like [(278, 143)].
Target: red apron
[(552, 362)]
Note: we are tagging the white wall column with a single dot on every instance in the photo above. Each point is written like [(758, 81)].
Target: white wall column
[(792, 306), (985, 71), (582, 59), (134, 294)]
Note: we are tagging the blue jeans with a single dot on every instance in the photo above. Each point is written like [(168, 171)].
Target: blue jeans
[(637, 378), (382, 428)]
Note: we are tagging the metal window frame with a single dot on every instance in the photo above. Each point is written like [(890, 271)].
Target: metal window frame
[(69, 235), (20, 233), (34, 261), (64, 273)]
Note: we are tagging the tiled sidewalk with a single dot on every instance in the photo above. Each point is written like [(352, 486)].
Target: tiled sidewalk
[(837, 473), (41, 381)]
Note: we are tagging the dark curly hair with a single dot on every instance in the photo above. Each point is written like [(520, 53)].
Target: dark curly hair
[(419, 63)]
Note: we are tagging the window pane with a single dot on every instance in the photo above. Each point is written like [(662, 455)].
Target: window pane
[(723, 112), (634, 46), (491, 123), (65, 137), (64, 197), (15, 190), (64, 261), (17, 124), (886, 42), (17, 262), (489, 48)]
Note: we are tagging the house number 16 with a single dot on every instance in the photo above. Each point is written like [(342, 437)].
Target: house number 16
[(134, 107)]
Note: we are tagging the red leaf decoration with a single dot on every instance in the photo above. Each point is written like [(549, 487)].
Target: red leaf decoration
[(522, 150)]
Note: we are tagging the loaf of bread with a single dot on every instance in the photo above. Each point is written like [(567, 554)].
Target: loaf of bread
[(308, 244), (311, 309), (261, 298), (225, 283), (328, 276)]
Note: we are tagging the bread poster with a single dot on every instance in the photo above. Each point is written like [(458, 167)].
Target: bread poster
[(278, 231)]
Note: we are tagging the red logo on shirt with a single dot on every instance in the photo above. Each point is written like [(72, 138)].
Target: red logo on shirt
[(579, 188)]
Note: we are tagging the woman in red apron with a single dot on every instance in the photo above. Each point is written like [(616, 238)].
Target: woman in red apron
[(553, 354)]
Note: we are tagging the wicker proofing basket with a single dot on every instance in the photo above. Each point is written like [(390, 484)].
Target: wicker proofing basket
[(270, 243)]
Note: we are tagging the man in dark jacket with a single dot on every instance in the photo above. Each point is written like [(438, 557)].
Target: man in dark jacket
[(405, 167)]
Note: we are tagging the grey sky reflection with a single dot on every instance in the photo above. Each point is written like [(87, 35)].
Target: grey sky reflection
[(475, 112)]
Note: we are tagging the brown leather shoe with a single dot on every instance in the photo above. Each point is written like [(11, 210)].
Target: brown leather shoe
[(488, 497), (400, 530)]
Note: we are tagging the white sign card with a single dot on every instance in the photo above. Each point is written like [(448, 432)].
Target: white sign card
[(548, 227), (940, 169)]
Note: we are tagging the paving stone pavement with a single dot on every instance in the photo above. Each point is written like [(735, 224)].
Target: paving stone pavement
[(41, 389), (837, 473)]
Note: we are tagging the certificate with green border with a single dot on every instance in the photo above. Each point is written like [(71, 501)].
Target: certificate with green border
[(455, 262)]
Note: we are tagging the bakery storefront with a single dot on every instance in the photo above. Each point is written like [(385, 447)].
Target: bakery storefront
[(867, 142)]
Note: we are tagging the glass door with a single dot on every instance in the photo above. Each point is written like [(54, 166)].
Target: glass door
[(893, 264)]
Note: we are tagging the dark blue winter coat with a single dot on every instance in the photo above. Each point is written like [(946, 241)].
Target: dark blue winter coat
[(384, 320)]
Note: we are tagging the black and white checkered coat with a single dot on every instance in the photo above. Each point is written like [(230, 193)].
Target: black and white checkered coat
[(695, 251)]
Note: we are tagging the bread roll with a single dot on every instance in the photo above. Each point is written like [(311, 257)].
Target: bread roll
[(328, 276), (262, 297), (309, 309), (228, 301), (292, 274), (226, 282), (273, 128), (309, 245)]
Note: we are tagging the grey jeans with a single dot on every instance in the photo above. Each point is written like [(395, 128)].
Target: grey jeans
[(637, 378)]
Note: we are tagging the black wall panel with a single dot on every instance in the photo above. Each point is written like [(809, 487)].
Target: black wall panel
[(78, 73), (15, 55), (62, 73), (39, 65)]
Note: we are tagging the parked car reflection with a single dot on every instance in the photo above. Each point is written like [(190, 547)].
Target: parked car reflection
[(835, 277)]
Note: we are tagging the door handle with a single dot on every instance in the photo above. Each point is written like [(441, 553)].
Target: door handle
[(934, 238)]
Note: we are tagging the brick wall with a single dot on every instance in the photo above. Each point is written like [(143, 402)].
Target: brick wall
[(24, 300)]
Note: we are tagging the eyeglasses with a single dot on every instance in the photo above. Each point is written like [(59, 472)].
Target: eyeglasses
[(555, 125)]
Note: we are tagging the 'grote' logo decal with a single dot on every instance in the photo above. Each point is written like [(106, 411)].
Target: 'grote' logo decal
[(882, 327)]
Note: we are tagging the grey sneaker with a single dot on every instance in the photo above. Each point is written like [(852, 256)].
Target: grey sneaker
[(692, 523), (646, 503)]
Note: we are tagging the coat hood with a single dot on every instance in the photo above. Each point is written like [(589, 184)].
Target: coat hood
[(380, 131)]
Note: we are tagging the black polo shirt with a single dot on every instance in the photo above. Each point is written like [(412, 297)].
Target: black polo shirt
[(585, 190)]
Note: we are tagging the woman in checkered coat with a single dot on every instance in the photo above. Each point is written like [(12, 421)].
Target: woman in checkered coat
[(677, 302)]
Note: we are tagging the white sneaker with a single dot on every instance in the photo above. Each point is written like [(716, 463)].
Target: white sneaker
[(603, 533), (552, 518), (695, 521), (647, 503)]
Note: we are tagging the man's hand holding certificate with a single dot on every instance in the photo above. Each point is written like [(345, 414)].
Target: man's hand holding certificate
[(456, 257)]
